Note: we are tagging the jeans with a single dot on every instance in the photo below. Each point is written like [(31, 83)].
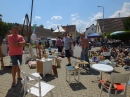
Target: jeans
[(85, 56)]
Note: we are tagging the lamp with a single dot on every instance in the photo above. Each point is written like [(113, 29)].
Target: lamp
[(103, 18), (33, 37)]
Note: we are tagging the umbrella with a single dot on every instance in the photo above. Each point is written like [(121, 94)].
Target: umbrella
[(94, 35), (123, 35), (118, 33)]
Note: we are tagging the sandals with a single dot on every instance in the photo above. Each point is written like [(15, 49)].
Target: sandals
[(13, 84)]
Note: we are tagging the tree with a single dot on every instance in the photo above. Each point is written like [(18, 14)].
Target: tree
[(41, 26), (0, 15), (3, 28), (126, 24), (52, 29)]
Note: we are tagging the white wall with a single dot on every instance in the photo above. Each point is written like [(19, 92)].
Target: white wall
[(98, 29), (91, 29)]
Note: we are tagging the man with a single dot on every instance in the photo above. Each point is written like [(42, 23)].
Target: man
[(67, 46), (16, 43), (85, 48)]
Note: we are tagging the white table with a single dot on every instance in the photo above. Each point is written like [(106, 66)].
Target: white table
[(44, 66), (102, 68)]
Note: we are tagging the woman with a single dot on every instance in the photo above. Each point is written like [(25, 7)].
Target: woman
[(59, 44)]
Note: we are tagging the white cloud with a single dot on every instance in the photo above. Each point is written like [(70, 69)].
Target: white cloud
[(73, 15), (82, 25), (37, 17), (73, 19), (56, 18), (124, 12), (51, 25), (96, 16)]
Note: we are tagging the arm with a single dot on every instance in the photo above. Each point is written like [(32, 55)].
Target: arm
[(16, 44), (86, 45)]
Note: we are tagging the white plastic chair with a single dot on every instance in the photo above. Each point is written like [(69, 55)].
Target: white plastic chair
[(39, 89), (117, 78), (29, 78)]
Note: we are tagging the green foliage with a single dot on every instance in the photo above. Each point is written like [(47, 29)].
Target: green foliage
[(1, 15), (3, 28), (10, 25), (41, 26), (127, 24), (107, 34)]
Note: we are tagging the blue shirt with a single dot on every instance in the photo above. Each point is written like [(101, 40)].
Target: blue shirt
[(67, 41)]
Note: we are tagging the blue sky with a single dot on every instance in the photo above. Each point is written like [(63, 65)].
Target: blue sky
[(51, 13)]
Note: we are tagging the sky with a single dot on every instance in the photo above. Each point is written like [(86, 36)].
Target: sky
[(50, 13)]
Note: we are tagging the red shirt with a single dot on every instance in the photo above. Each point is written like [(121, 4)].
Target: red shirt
[(12, 49)]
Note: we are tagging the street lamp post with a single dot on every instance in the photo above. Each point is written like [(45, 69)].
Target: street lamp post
[(103, 18)]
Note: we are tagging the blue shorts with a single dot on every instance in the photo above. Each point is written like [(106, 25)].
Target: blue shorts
[(15, 59)]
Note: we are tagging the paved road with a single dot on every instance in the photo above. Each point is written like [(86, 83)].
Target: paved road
[(62, 89)]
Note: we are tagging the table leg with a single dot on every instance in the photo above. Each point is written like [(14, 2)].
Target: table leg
[(78, 75), (101, 76), (66, 74), (98, 81), (69, 76), (74, 74)]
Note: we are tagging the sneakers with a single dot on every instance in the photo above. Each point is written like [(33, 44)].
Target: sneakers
[(68, 65)]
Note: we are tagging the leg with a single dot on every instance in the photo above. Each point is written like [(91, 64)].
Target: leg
[(69, 60), (18, 71), (20, 61), (87, 58), (14, 70)]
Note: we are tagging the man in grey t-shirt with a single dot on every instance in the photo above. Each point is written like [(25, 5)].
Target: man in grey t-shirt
[(67, 46)]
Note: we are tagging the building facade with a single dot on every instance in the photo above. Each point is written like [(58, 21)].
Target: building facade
[(90, 30)]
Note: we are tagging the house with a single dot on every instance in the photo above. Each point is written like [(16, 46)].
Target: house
[(40, 32), (91, 29), (110, 24), (71, 29)]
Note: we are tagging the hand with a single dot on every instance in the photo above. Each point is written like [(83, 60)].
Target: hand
[(70, 50), (15, 43)]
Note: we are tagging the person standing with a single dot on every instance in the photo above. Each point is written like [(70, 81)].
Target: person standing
[(67, 47), (59, 44), (15, 43), (84, 42), (72, 46)]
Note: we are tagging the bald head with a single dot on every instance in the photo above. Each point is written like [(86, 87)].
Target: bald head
[(81, 35)]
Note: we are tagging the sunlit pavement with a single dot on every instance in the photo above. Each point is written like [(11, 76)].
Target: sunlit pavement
[(62, 88)]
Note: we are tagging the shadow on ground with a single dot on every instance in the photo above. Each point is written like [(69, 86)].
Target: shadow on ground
[(7, 69), (49, 77), (15, 91), (77, 86)]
